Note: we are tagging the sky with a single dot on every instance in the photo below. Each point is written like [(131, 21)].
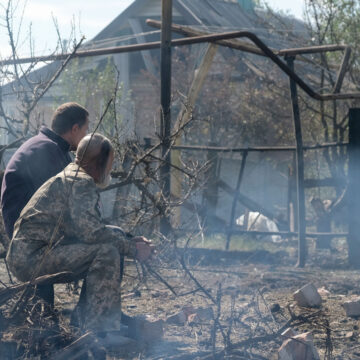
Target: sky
[(88, 16)]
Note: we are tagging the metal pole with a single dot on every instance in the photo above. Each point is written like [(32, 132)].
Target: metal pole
[(353, 187), (165, 116), (235, 200), (300, 169), (245, 46), (255, 148)]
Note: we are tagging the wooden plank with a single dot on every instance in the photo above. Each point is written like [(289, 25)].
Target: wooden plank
[(190, 31), (245, 46), (197, 84), (184, 116)]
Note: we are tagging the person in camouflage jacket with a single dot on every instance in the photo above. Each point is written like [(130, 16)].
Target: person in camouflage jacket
[(61, 229)]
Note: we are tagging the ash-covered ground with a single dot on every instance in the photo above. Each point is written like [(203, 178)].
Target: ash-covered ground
[(250, 294)]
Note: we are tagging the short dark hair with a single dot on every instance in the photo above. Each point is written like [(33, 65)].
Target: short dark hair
[(66, 116)]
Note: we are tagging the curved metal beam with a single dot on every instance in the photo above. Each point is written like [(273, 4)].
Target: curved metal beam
[(195, 40)]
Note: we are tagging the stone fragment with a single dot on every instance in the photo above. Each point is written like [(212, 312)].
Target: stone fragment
[(182, 316), (150, 331), (300, 347), (323, 292), (350, 335), (352, 307), (145, 328), (308, 296), (275, 308), (177, 319), (192, 318), (157, 294), (190, 314), (188, 310)]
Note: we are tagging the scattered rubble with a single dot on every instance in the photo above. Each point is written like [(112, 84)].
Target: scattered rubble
[(177, 319), (333, 332), (352, 307), (352, 335), (323, 292), (205, 314), (149, 330), (190, 314), (308, 296), (299, 347), (182, 317)]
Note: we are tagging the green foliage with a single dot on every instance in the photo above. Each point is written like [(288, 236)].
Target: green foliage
[(335, 21)]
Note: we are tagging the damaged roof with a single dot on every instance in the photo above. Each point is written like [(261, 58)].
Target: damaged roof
[(210, 15)]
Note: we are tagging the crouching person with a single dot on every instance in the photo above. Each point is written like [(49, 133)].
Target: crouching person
[(61, 229)]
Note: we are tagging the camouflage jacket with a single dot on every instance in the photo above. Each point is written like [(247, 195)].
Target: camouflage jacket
[(65, 209)]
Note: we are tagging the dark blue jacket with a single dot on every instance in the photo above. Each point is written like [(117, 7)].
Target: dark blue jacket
[(36, 161)]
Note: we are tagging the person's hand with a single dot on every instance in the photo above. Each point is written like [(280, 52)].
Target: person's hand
[(143, 250)]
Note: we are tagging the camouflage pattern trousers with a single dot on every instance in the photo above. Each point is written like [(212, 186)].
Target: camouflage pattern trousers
[(99, 262)]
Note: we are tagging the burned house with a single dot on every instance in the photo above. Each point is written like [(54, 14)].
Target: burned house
[(225, 122)]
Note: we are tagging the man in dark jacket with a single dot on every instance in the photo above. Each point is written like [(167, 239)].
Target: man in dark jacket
[(40, 158)]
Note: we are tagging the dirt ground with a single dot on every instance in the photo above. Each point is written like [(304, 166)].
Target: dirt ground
[(252, 293)]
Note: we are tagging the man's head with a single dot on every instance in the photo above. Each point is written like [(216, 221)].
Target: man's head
[(95, 155), (71, 122)]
